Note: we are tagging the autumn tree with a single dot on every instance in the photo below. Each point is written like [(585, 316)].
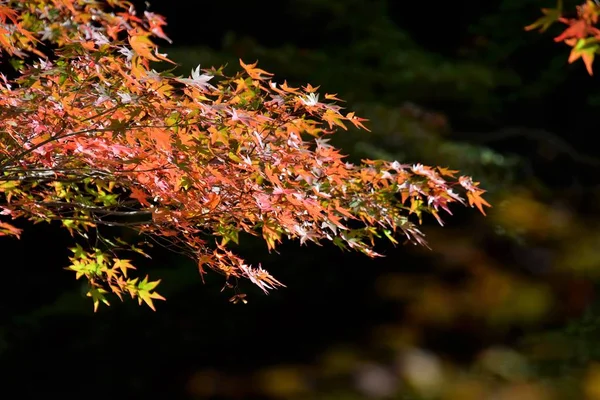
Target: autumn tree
[(92, 136)]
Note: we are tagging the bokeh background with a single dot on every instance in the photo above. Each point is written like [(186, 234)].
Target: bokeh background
[(503, 307)]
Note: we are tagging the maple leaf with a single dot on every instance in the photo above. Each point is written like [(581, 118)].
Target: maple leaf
[(239, 297), (253, 72), (8, 229), (446, 172), (142, 45), (98, 296), (478, 201), (585, 49), (577, 29), (156, 23), (123, 265), (145, 292), (288, 89), (197, 79), (333, 118), (162, 138), (78, 251), (312, 99), (140, 196), (356, 121), (310, 89), (551, 15), (260, 277), (332, 97)]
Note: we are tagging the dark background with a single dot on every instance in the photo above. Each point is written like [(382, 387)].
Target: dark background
[(444, 83)]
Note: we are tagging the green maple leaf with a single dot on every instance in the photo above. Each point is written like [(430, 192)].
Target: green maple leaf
[(97, 295), (146, 294), (551, 15), (585, 49), (78, 251)]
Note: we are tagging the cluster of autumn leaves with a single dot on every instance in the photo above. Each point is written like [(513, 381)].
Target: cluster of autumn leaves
[(92, 136), (581, 32)]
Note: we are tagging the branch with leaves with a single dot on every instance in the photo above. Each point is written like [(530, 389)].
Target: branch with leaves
[(93, 136)]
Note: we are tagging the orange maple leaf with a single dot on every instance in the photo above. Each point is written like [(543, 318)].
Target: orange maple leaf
[(332, 97), (140, 196), (253, 72), (357, 122), (578, 29), (8, 229), (142, 45), (476, 200)]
